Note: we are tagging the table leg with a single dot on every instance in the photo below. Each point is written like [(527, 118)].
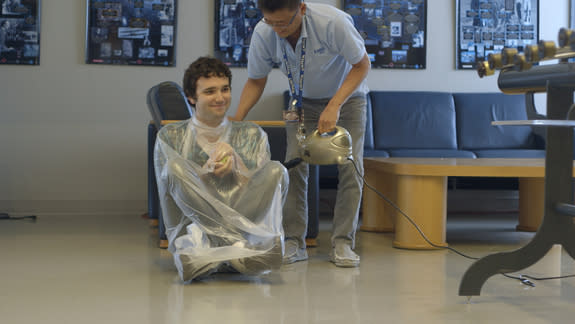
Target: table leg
[(376, 212), (531, 199), (424, 200)]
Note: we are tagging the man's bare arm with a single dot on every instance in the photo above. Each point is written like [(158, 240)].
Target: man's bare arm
[(251, 93), (356, 75)]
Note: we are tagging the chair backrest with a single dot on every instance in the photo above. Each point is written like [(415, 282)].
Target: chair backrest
[(167, 101)]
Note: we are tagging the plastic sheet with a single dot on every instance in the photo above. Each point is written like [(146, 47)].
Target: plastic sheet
[(220, 219)]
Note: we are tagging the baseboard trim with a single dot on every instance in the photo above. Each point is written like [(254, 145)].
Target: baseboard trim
[(73, 207)]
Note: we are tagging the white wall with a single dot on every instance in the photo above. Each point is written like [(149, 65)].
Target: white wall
[(73, 136)]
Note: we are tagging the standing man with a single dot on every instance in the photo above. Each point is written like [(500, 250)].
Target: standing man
[(325, 61)]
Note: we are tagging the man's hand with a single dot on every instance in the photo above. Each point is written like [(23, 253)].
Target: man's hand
[(224, 157), (223, 167), (328, 118)]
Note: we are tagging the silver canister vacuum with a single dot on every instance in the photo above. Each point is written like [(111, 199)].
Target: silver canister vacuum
[(334, 147)]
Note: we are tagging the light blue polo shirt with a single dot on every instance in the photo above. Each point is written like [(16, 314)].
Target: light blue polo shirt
[(333, 45)]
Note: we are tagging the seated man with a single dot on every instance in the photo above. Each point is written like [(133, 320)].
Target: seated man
[(221, 195)]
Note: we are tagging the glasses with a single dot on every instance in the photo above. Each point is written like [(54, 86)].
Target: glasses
[(280, 25)]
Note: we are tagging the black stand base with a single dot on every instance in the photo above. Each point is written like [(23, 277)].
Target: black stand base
[(557, 226)]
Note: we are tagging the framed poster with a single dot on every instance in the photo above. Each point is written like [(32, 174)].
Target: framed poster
[(394, 31), (20, 32), (131, 32), (488, 26), (235, 22)]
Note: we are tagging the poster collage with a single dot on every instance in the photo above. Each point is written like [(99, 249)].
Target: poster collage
[(235, 22), (19, 32), (133, 32), (394, 31), (143, 32), (487, 26)]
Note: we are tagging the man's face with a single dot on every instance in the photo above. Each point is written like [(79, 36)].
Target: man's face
[(213, 97), (284, 21)]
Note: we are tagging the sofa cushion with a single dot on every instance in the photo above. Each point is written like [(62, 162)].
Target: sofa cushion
[(431, 153), (413, 120), (476, 111), (515, 153)]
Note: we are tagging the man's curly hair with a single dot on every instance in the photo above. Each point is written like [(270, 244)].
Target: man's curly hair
[(206, 67)]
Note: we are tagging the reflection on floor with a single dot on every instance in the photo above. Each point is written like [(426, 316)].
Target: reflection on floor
[(107, 269)]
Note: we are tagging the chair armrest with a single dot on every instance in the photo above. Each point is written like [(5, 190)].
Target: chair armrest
[(165, 122), (270, 123), (257, 122)]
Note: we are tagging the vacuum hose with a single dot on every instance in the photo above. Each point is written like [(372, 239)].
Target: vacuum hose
[(292, 163)]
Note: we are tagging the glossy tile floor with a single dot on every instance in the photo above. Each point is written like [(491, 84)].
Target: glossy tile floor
[(107, 269)]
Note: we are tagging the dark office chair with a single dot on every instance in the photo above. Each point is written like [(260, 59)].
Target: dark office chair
[(166, 101)]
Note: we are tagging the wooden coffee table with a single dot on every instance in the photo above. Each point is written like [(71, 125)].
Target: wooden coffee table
[(418, 186)]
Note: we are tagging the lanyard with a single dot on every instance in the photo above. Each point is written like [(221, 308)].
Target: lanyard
[(299, 95)]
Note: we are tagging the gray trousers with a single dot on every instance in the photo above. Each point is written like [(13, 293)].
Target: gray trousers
[(346, 212)]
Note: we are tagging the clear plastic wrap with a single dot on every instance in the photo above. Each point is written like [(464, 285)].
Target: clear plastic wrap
[(221, 197)]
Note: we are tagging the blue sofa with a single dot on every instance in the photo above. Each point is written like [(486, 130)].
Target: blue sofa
[(441, 124), (444, 125)]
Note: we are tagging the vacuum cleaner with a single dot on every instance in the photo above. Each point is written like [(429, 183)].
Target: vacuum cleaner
[(334, 147)]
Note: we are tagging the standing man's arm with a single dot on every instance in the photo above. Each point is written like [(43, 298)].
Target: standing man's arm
[(251, 93), (330, 115)]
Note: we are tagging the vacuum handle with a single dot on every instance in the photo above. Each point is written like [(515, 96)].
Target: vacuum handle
[(330, 133)]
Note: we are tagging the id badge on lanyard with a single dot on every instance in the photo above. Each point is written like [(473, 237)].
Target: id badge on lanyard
[(293, 113)]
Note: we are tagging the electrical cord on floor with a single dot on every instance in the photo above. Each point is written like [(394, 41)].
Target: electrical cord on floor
[(5, 216), (524, 279), (409, 218), (521, 278)]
